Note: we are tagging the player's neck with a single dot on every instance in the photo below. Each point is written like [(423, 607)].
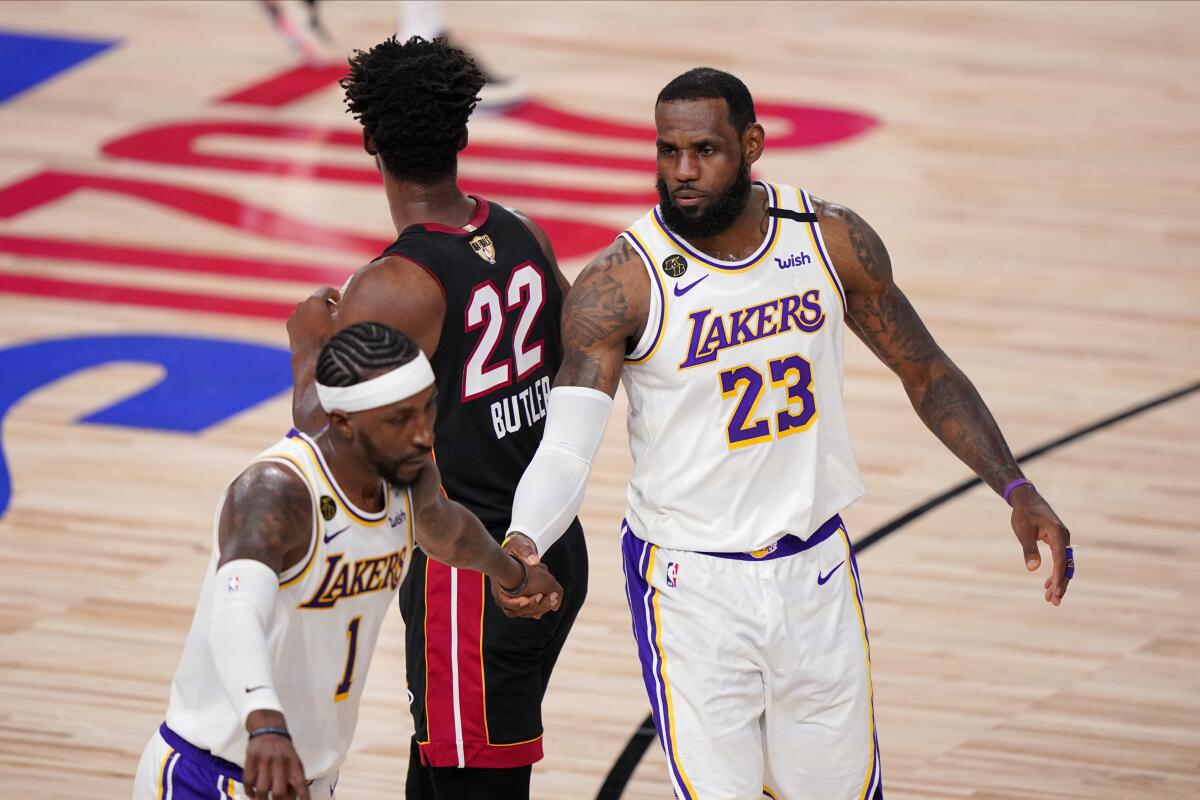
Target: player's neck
[(442, 202), (358, 481), (741, 239)]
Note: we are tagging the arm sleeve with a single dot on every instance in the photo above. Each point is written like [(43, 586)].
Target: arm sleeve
[(552, 488), (242, 603)]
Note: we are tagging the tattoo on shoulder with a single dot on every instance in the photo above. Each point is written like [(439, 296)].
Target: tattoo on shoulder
[(599, 310), (868, 247), (267, 516)]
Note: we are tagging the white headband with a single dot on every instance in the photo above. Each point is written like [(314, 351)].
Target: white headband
[(390, 387)]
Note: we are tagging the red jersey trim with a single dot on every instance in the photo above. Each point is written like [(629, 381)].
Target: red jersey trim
[(482, 207)]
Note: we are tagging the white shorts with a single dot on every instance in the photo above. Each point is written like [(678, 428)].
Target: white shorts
[(758, 668), (174, 769)]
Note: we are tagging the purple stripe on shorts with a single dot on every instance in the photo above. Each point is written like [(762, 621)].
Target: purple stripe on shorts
[(789, 544), (636, 557), (195, 754)]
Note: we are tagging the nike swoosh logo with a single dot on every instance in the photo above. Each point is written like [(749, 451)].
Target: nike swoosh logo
[(823, 579), (329, 537), (681, 292), (256, 688)]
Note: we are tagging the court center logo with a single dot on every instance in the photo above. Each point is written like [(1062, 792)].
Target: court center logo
[(674, 265), (483, 247), (328, 509)]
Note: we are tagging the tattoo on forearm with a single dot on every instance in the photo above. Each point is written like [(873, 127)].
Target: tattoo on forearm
[(885, 320), (952, 408)]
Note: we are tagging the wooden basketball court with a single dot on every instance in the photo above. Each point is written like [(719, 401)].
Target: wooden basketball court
[(1034, 169)]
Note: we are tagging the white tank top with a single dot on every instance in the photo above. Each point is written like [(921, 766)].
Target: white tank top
[(736, 421), (325, 625)]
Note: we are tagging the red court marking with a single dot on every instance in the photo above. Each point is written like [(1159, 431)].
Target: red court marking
[(136, 296), (288, 86), (136, 257), (807, 126), (177, 143), (51, 185)]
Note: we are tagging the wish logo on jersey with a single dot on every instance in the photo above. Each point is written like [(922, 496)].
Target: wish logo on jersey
[(713, 333), (348, 579)]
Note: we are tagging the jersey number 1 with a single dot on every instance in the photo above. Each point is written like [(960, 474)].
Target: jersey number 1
[(343, 688), (791, 372), (486, 307)]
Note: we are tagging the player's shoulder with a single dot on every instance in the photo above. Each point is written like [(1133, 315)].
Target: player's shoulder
[(393, 271), (268, 479)]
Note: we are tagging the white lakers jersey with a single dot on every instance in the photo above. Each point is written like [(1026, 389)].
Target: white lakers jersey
[(736, 422), (323, 633)]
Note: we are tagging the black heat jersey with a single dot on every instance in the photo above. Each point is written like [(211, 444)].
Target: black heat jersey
[(499, 351), (476, 677)]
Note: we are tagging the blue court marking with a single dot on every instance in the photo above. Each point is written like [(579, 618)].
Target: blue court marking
[(206, 381), (27, 59)]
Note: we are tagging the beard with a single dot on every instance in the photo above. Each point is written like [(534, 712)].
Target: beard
[(716, 217), (389, 469)]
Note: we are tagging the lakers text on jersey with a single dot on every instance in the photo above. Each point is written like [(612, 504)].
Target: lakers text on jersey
[(736, 388)]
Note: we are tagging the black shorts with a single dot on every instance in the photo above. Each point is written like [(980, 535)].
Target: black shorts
[(463, 653)]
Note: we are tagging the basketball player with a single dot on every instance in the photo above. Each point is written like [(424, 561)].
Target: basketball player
[(477, 286), (312, 541), (722, 308)]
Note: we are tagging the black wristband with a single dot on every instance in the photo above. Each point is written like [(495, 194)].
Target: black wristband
[(524, 578), (271, 730)]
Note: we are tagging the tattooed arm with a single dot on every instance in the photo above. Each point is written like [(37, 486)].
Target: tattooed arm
[(603, 317), (449, 533), (943, 397), (604, 314), (267, 519)]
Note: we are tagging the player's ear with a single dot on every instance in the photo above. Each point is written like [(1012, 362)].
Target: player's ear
[(368, 145), (752, 142), (462, 142), (340, 422)]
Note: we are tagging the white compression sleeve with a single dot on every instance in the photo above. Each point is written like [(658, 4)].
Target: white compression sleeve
[(551, 490), (242, 604)]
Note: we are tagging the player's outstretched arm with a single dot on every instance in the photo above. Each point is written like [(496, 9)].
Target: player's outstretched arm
[(604, 313), (449, 533), (265, 527), (943, 397)]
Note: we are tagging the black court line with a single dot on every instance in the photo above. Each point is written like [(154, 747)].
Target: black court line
[(622, 770)]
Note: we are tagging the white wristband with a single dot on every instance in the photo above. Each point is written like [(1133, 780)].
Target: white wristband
[(243, 603), (551, 490)]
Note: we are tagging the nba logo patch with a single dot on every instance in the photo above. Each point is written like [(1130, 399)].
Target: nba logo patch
[(234, 584), (672, 574)]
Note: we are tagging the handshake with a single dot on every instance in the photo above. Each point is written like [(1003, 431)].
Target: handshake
[(534, 591)]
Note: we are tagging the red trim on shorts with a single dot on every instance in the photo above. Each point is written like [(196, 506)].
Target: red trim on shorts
[(441, 748), (439, 694)]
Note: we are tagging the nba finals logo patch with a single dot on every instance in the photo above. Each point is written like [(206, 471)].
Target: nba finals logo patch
[(328, 509), (672, 574), (482, 245), (674, 265)]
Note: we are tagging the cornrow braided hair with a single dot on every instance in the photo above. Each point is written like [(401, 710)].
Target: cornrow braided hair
[(362, 351), (413, 100)]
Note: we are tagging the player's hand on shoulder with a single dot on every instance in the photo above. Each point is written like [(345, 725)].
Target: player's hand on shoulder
[(1033, 521), (311, 323), (273, 769)]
